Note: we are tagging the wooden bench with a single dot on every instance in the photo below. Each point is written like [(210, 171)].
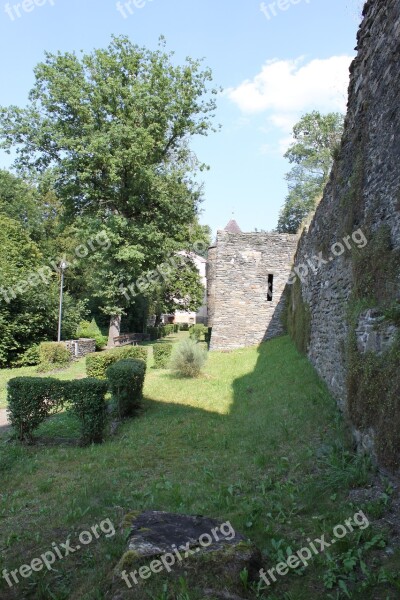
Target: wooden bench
[(133, 339)]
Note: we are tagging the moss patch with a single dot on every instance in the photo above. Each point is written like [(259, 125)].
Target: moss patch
[(298, 317), (373, 381)]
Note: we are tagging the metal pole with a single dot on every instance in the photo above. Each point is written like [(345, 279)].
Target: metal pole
[(61, 301)]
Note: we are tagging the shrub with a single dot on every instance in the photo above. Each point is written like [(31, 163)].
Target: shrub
[(53, 355), (188, 358), (126, 380), (198, 332), (97, 364), (29, 358), (162, 355), (184, 326), (87, 398), (32, 399), (90, 329), (176, 327), (154, 333), (207, 336)]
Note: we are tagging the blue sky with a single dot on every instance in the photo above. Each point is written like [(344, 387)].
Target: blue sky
[(273, 68)]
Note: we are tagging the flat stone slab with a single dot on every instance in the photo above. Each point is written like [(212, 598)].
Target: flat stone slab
[(155, 532), (206, 552)]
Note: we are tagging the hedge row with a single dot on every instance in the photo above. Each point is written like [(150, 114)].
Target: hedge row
[(198, 332), (156, 333), (98, 363), (162, 355), (126, 380), (32, 399)]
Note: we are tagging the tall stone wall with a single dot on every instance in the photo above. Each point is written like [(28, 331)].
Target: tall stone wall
[(238, 267), (352, 294)]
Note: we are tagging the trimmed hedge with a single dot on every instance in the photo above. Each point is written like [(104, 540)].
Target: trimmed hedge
[(98, 363), (87, 397), (53, 355), (184, 326), (126, 380), (31, 400), (197, 332), (156, 333), (162, 355)]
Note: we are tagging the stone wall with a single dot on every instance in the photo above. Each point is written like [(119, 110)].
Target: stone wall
[(81, 347), (350, 294), (239, 311)]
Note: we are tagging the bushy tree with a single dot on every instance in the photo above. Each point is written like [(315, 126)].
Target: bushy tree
[(114, 127), (316, 141)]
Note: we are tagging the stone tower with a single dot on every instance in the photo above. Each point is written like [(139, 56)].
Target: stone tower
[(246, 275)]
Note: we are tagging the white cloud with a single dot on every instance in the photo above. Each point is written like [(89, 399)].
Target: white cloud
[(290, 86), (286, 89)]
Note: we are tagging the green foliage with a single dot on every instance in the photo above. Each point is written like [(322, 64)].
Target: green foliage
[(373, 382), (133, 173), (373, 385), (29, 295), (98, 363), (126, 380), (297, 317), (162, 355), (33, 399), (181, 289), (30, 357), (90, 329), (184, 326), (376, 269), (198, 332), (87, 398), (316, 142), (188, 358), (53, 355), (160, 331)]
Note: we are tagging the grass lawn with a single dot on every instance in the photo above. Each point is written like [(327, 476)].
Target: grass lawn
[(257, 440)]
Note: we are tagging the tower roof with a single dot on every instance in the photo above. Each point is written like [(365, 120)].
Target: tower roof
[(233, 227)]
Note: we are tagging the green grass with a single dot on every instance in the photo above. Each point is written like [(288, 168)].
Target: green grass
[(256, 440)]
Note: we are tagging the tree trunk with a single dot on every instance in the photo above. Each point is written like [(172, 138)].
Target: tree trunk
[(114, 330)]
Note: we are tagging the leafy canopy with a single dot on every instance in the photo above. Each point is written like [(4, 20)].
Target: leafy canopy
[(316, 140)]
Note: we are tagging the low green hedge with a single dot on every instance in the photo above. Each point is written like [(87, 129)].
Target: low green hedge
[(126, 380), (162, 355), (87, 398), (31, 400), (53, 355), (98, 363), (198, 332), (156, 333)]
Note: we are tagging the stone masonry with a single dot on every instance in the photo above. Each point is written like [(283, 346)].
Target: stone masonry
[(363, 193), (239, 264)]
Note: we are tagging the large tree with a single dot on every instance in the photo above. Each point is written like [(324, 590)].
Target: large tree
[(316, 140), (114, 128)]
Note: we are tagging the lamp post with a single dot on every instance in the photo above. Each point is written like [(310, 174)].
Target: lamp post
[(63, 266)]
